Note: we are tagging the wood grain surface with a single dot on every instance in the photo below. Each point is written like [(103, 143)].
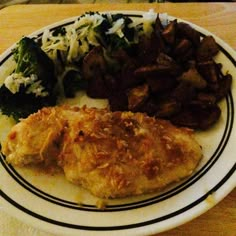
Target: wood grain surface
[(218, 18)]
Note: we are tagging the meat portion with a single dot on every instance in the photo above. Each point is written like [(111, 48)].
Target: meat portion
[(112, 154), (35, 140)]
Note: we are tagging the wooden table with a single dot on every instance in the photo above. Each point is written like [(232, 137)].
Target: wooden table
[(218, 18)]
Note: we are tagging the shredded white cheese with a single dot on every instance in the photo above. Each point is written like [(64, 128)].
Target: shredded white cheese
[(117, 28), (80, 35), (15, 80), (148, 19), (75, 43), (150, 16), (144, 24)]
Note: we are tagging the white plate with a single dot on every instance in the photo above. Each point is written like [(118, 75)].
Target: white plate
[(52, 204)]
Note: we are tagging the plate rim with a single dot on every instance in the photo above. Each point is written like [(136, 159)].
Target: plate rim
[(224, 45)]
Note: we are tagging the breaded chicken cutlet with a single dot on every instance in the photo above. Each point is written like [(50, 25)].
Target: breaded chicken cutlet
[(112, 154)]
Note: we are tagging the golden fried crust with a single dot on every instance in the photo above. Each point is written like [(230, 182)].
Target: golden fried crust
[(112, 154), (35, 139)]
